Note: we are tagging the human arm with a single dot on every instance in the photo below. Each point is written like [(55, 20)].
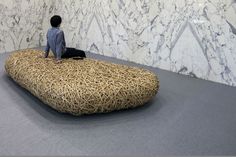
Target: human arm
[(60, 44)]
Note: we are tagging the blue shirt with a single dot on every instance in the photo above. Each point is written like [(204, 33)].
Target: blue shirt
[(55, 42)]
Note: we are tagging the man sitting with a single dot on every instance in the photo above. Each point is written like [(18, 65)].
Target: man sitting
[(56, 42)]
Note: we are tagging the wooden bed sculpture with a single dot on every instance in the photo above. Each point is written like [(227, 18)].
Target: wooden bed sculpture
[(81, 86)]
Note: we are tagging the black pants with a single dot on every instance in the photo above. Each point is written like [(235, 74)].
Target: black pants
[(72, 52)]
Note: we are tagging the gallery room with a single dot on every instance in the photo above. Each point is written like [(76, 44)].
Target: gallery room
[(117, 77)]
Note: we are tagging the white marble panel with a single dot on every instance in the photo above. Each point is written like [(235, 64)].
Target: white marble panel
[(23, 23), (192, 37)]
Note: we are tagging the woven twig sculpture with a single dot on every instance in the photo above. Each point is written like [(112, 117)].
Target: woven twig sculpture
[(81, 86)]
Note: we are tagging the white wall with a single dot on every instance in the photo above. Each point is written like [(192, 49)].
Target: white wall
[(23, 23), (192, 37)]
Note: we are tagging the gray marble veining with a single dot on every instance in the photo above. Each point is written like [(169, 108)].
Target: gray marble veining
[(23, 23), (192, 37)]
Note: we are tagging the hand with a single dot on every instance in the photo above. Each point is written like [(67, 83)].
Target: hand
[(40, 56), (58, 61)]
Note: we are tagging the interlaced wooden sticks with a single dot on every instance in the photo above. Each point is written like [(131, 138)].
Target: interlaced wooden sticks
[(81, 86)]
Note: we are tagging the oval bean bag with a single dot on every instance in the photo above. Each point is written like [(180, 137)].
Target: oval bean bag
[(81, 86)]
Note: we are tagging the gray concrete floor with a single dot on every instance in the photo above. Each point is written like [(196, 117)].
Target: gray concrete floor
[(187, 117)]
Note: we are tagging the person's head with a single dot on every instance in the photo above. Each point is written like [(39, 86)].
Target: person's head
[(55, 21)]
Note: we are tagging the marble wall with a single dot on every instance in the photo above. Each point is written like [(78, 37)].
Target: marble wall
[(192, 37), (23, 23)]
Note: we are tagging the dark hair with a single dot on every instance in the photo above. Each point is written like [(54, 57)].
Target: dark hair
[(55, 21)]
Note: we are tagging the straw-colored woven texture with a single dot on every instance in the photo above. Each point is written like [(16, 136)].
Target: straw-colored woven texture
[(81, 86)]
